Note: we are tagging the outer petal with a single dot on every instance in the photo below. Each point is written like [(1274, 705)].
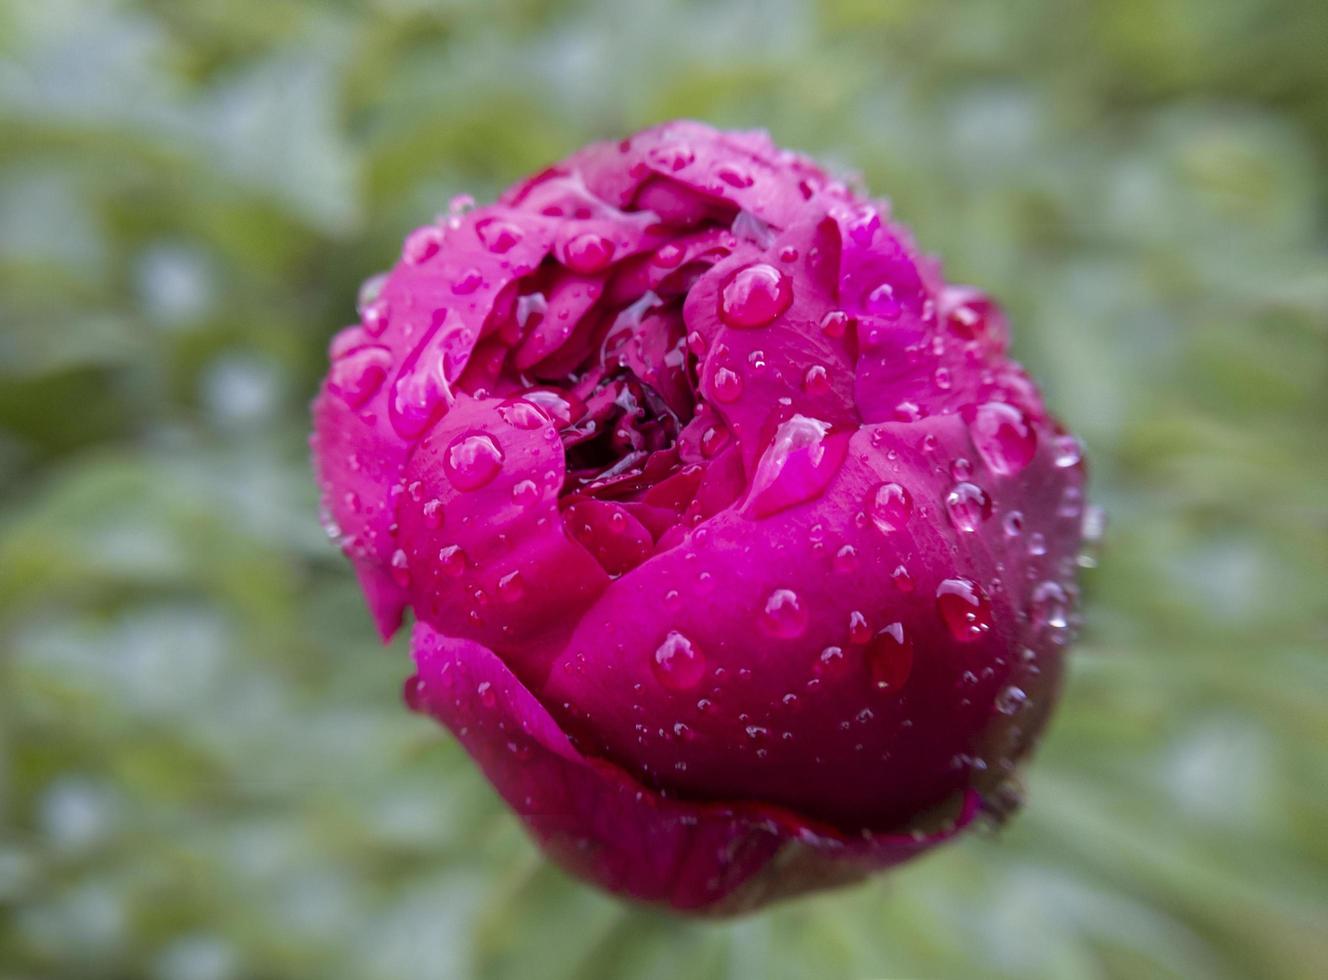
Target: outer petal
[(599, 823), (771, 716)]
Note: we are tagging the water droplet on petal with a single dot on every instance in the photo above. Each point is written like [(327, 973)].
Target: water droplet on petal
[(1051, 608), (1004, 437), (967, 506), (902, 580), (799, 464), (1010, 700), (890, 658), (889, 507), (433, 514), (1068, 451), (880, 301), (521, 414), (400, 569), (374, 316), (846, 559), (1013, 524), (909, 411), (713, 439), (357, 376), (422, 244), (468, 282), (832, 661), (964, 609), (369, 291), (525, 492), (817, 380), (412, 692), (472, 460), (835, 324), (452, 560), (511, 587), (783, 616), (669, 256), (863, 225), (755, 296), (499, 236), (588, 253), (562, 407), (859, 631), (421, 391), (727, 385), (678, 665), (972, 315), (486, 694)]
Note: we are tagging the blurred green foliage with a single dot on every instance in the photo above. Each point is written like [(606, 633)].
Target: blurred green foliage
[(205, 769)]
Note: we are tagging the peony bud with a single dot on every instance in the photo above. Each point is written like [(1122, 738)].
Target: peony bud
[(740, 554)]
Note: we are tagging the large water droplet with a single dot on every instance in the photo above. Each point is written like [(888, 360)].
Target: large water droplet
[(890, 658), (783, 616), (798, 465), (678, 665), (967, 506), (588, 253), (1004, 436), (521, 414), (964, 609), (421, 391), (562, 407), (755, 296), (889, 507), (472, 460), (357, 376)]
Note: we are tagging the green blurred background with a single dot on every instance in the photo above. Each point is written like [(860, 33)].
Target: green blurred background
[(205, 768)]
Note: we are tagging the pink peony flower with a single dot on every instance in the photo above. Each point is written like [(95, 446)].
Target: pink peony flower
[(740, 553)]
